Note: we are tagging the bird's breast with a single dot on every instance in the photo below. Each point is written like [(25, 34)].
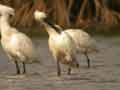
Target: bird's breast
[(60, 43)]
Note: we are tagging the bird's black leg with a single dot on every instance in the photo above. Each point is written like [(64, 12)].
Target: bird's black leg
[(17, 67), (24, 67), (58, 68), (88, 60), (69, 70)]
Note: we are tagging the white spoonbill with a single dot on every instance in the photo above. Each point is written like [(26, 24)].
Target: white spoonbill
[(17, 45), (84, 42), (60, 44)]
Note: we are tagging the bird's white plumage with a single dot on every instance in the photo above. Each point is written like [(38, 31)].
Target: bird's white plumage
[(62, 48), (16, 44), (19, 45), (39, 15), (83, 41), (6, 10), (60, 44)]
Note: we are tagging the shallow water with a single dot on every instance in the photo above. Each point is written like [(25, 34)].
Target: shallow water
[(104, 73)]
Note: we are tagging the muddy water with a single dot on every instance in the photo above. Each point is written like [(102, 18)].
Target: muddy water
[(103, 75)]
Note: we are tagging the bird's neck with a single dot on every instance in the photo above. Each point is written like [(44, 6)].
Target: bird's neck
[(4, 26), (49, 29)]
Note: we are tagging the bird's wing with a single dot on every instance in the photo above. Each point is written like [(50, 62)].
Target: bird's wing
[(23, 45), (66, 45), (63, 49), (82, 39)]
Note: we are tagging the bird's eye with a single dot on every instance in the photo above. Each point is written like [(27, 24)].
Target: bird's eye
[(10, 16)]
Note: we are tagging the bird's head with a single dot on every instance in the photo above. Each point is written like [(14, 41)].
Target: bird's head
[(6, 10), (45, 19), (39, 15)]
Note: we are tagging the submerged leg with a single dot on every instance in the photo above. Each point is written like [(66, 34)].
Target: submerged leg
[(58, 68), (24, 68), (88, 60), (17, 67), (69, 70)]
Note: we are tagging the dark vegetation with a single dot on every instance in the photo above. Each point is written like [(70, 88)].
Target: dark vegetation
[(92, 15)]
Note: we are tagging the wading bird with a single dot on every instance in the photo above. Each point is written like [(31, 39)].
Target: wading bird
[(60, 44), (16, 45), (84, 43)]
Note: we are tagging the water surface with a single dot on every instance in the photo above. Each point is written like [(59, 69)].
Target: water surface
[(104, 73)]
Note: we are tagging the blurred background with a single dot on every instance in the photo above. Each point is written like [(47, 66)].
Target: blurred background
[(94, 16)]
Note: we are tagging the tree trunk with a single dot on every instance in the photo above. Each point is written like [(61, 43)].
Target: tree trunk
[(80, 22), (59, 12)]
